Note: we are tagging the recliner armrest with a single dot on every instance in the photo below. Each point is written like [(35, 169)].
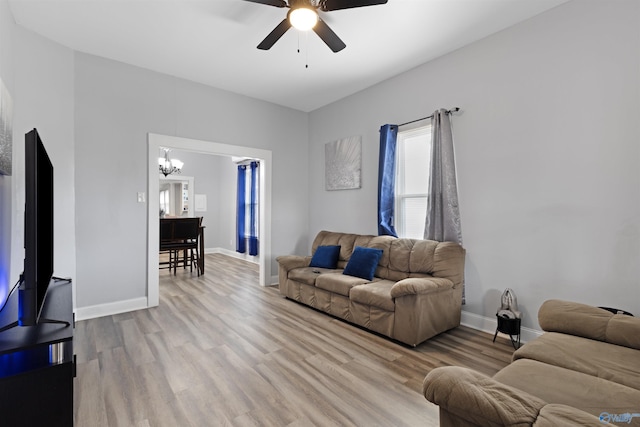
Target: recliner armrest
[(478, 398), (420, 285), (586, 321), (481, 400), (289, 262)]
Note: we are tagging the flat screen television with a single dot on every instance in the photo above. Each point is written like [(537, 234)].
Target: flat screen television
[(38, 235), (38, 230)]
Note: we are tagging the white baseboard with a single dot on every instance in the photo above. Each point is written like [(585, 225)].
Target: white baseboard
[(489, 325), (470, 320), (118, 307), (234, 254), (93, 311)]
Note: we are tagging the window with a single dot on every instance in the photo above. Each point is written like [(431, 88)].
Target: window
[(412, 181), (251, 203), (247, 208), (164, 203)]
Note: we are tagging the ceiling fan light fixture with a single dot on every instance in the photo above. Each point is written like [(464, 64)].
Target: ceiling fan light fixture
[(303, 18)]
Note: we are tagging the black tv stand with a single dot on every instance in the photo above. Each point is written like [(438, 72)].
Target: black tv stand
[(37, 365)]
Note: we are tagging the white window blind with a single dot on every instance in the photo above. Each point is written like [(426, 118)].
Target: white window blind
[(412, 181)]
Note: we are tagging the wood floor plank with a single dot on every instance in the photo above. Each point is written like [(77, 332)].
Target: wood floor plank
[(122, 399), (134, 343), (220, 350), (89, 406)]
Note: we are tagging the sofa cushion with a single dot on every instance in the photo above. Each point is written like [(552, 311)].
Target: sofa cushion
[(401, 258), (408, 258), (377, 294), (363, 262), (554, 384), (346, 241), (553, 415), (338, 283), (608, 361), (308, 275), (326, 256)]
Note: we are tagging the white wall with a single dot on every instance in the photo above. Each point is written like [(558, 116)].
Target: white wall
[(547, 147), (116, 105)]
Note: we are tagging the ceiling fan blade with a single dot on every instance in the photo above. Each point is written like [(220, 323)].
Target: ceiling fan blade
[(327, 5), (328, 36), (276, 3), (275, 35)]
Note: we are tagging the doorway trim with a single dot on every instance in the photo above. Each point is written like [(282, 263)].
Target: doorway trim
[(154, 142)]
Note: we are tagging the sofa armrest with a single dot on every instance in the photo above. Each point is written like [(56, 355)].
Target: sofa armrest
[(589, 322), (420, 285), (289, 262), (481, 400)]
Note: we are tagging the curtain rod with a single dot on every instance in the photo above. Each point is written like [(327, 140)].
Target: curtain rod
[(453, 110)]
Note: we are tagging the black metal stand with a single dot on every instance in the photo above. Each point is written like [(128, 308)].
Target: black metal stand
[(510, 327), (15, 324)]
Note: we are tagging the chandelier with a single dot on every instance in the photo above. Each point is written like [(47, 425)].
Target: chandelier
[(168, 166)]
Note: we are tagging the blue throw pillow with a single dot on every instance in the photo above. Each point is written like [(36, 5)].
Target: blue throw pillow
[(325, 257), (363, 262)]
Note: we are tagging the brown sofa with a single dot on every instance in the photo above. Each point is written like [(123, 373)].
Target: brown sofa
[(416, 292), (584, 370)]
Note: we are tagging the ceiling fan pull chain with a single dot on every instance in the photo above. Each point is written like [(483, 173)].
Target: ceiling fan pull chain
[(307, 50)]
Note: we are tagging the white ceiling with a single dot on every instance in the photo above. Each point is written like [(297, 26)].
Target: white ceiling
[(214, 41)]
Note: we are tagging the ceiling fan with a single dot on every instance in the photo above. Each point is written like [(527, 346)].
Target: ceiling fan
[(303, 15)]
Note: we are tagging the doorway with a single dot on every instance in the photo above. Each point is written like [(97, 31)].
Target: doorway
[(170, 194), (156, 141)]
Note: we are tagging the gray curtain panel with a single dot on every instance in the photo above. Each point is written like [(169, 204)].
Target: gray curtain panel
[(443, 215)]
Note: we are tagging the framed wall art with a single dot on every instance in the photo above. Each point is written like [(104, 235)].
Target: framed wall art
[(343, 163), (6, 130)]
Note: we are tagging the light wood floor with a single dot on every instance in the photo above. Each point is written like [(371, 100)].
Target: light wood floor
[(221, 350)]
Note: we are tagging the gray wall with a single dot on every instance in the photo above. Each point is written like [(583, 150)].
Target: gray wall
[(42, 93), (115, 106), (547, 147), (6, 182)]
